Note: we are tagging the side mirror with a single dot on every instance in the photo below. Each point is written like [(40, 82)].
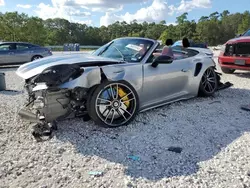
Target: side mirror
[(163, 59)]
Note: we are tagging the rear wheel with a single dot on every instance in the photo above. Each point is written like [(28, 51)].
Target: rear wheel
[(209, 83), (113, 104), (36, 57), (227, 70)]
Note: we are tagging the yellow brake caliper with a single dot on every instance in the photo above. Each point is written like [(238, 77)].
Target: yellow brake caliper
[(122, 94)]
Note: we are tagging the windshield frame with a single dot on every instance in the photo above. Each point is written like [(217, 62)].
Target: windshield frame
[(247, 33), (147, 41)]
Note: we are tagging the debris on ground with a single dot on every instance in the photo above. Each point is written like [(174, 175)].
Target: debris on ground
[(134, 158), (245, 107), (95, 173), (175, 149)]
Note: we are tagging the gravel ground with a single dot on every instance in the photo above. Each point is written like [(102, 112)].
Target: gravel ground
[(213, 133)]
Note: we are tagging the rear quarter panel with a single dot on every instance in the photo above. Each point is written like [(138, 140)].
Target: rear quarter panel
[(195, 80)]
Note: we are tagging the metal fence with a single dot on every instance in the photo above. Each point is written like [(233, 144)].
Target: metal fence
[(69, 48)]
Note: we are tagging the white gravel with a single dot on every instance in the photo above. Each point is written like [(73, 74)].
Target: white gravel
[(213, 133)]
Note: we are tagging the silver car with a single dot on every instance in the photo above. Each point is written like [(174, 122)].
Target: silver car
[(20, 52), (114, 83)]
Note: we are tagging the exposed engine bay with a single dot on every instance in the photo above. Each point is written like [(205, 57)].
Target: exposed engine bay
[(240, 49), (48, 102)]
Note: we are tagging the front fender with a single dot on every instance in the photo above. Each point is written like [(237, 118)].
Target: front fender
[(114, 73), (90, 77), (132, 73)]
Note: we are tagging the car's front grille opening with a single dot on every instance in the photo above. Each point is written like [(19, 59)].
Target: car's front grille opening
[(239, 49), (243, 49)]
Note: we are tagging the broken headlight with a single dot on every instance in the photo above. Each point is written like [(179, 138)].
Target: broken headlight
[(58, 74)]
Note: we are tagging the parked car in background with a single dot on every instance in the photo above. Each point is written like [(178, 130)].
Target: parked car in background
[(21, 52), (235, 54), (202, 47)]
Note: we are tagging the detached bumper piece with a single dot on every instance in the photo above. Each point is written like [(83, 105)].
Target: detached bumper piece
[(226, 85), (42, 130), (245, 107), (221, 85)]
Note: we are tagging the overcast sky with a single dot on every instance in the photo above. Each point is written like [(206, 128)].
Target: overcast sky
[(105, 12)]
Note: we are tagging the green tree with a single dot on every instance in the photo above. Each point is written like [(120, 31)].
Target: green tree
[(34, 31), (214, 29), (182, 24), (245, 23)]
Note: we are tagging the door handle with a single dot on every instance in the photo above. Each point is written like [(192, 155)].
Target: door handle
[(11, 53), (184, 70)]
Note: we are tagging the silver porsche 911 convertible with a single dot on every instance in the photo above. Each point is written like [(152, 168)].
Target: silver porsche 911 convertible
[(114, 83)]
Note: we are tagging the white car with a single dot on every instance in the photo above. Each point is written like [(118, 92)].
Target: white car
[(201, 47)]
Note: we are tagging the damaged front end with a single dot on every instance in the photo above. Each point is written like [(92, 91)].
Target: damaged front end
[(59, 92)]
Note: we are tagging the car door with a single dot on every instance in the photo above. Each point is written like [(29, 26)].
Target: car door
[(4, 50), (23, 52), (7, 51), (165, 82)]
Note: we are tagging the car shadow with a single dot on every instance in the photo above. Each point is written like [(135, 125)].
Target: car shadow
[(242, 74), (11, 92), (202, 127), (6, 68)]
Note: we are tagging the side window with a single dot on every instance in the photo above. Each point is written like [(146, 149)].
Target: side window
[(6, 47), (22, 46)]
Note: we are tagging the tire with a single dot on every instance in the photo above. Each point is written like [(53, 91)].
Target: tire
[(90, 94), (208, 83), (36, 57), (227, 70), (120, 108)]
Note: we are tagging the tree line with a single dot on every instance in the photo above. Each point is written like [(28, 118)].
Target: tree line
[(214, 29)]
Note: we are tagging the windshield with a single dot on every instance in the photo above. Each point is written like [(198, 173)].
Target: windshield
[(126, 49), (246, 33)]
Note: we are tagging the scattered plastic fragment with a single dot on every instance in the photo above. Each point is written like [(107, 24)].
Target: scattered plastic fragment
[(10, 90), (215, 102), (134, 158), (225, 86), (248, 173), (96, 173), (245, 107), (154, 157), (175, 149)]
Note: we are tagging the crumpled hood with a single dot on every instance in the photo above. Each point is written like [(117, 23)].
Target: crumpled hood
[(31, 69)]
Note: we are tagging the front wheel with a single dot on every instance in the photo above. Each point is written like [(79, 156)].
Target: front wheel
[(209, 83), (113, 104)]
